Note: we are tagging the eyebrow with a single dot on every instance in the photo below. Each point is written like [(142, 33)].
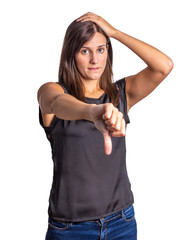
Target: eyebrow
[(98, 46)]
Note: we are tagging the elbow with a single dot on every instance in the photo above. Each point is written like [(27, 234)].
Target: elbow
[(168, 67)]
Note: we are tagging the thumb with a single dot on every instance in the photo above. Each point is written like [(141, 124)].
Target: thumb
[(107, 142)]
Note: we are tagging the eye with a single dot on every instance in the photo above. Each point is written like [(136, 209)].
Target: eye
[(101, 50), (85, 51)]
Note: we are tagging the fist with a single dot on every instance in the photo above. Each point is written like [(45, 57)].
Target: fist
[(109, 121)]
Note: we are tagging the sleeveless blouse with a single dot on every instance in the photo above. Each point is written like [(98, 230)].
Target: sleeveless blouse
[(87, 184)]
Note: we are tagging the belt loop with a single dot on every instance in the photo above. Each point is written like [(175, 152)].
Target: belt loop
[(122, 213)]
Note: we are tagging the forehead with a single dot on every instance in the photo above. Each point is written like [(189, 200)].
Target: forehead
[(97, 40)]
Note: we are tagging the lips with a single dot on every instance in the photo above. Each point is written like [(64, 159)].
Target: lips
[(94, 69)]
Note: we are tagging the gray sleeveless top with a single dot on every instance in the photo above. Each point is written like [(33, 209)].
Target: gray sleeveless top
[(87, 184)]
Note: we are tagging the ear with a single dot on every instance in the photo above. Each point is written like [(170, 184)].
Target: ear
[(107, 46)]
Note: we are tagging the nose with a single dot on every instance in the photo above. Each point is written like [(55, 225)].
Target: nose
[(94, 58)]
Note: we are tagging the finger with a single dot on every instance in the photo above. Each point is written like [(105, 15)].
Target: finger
[(119, 122), (107, 142), (117, 125), (114, 123), (86, 17), (88, 14), (108, 109), (123, 127), (114, 117), (122, 131)]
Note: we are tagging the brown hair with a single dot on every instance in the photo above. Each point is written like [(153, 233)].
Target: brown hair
[(77, 34)]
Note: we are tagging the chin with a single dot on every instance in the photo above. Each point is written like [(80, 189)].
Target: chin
[(96, 77)]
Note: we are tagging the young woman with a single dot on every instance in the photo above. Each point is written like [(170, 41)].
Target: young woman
[(84, 116)]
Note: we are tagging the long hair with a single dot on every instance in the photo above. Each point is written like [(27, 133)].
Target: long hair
[(77, 34)]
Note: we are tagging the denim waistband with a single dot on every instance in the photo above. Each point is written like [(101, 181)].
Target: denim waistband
[(114, 215)]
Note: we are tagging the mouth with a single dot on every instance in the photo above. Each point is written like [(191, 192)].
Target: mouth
[(94, 69)]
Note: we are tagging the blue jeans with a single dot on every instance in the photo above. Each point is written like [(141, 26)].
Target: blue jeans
[(118, 226)]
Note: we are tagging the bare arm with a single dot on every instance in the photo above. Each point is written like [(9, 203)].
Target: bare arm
[(143, 83), (53, 100), (107, 119), (159, 66)]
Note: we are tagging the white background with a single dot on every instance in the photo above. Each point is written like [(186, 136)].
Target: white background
[(158, 138)]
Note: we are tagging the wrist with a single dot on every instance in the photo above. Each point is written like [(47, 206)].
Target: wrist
[(114, 33), (89, 112)]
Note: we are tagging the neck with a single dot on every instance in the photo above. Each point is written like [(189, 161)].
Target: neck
[(92, 88)]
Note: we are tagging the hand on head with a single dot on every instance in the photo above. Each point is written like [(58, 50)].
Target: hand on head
[(107, 28)]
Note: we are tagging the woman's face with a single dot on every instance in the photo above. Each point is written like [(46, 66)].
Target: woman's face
[(92, 57)]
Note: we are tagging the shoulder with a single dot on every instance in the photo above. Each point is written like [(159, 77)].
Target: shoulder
[(48, 88), (120, 83), (50, 85), (46, 95), (123, 105)]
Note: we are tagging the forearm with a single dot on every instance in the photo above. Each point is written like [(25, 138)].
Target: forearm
[(154, 58), (68, 107)]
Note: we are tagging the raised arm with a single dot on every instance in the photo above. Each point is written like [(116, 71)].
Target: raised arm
[(107, 119), (158, 67)]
